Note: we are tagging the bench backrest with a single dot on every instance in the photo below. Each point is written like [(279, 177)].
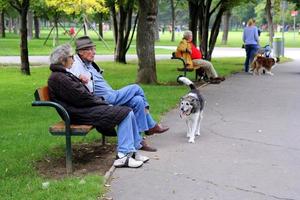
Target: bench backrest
[(42, 94)]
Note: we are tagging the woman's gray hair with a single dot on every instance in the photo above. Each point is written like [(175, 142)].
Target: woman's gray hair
[(60, 54), (187, 34)]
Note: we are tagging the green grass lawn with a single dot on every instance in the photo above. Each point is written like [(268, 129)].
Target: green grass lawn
[(25, 139), (10, 44)]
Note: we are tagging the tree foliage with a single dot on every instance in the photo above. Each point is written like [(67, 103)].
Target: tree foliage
[(78, 6)]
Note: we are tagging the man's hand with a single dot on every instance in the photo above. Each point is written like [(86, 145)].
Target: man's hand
[(84, 79)]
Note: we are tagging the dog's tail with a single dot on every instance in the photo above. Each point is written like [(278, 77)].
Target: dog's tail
[(186, 81)]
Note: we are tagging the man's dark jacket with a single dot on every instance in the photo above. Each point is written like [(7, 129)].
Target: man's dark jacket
[(82, 106)]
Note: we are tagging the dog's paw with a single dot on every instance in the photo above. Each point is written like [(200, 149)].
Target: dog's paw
[(198, 134), (191, 140)]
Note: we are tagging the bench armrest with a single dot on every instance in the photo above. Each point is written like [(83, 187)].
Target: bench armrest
[(178, 58), (61, 111)]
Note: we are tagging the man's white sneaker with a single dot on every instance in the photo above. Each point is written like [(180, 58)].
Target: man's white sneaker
[(139, 157), (127, 161)]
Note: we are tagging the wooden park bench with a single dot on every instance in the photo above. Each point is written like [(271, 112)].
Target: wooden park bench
[(199, 72), (64, 127)]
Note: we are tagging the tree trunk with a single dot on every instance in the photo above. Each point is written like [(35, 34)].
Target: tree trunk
[(30, 25), (10, 24), (200, 13), (16, 25), (84, 26), (24, 43), (55, 39), (193, 19), (2, 25), (157, 29), (22, 9), (226, 20), (124, 28), (114, 22), (270, 21), (215, 32), (120, 48), (204, 18), (100, 27), (145, 42), (173, 20), (36, 26)]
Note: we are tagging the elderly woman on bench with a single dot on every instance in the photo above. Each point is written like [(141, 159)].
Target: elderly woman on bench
[(193, 58), (85, 108)]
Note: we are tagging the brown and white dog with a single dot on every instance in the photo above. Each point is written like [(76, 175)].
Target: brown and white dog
[(260, 62)]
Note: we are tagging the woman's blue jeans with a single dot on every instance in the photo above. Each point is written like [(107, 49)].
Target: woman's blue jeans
[(251, 50)]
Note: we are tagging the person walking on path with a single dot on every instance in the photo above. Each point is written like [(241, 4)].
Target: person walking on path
[(251, 42)]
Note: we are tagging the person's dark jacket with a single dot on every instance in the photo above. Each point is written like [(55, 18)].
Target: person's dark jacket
[(82, 106)]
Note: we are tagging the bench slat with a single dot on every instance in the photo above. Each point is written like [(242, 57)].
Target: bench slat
[(59, 129), (43, 94)]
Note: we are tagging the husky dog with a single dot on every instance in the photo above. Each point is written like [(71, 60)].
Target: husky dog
[(191, 109)]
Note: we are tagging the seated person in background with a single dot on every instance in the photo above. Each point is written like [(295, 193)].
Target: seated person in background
[(193, 57), (85, 108), (132, 95)]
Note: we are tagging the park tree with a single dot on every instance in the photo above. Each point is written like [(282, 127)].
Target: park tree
[(201, 12), (39, 9), (22, 7), (177, 9), (226, 20), (121, 14), (145, 40), (268, 11), (228, 12), (3, 7)]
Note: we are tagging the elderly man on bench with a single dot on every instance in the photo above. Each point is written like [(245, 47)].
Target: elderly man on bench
[(131, 95), (193, 58)]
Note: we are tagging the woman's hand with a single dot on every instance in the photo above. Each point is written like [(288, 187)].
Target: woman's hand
[(84, 79)]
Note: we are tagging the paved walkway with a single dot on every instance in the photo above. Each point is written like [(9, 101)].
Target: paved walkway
[(218, 52), (248, 149)]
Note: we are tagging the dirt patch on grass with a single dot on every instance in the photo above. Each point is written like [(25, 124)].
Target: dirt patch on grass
[(87, 158)]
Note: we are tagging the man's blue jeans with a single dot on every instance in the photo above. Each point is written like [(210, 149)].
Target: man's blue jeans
[(129, 138), (251, 50), (133, 96)]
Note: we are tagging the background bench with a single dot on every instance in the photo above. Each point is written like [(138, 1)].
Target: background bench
[(64, 127), (199, 72)]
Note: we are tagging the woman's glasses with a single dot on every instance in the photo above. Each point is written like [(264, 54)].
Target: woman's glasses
[(72, 56)]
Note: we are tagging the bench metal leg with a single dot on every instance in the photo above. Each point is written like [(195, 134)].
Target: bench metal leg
[(68, 154), (184, 72)]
